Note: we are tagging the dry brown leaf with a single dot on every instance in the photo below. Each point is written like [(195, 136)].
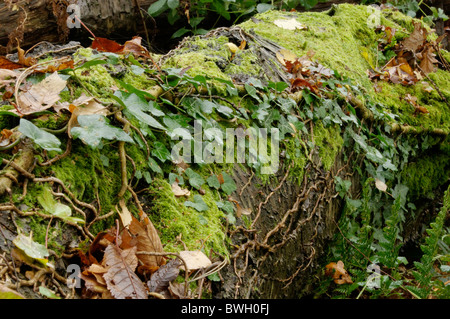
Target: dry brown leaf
[(161, 279), (178, 191), (289, 24), (84, 105), (147, 240), (242, 211), (42, 95), (338, 272), (124, 214), (416, 38), (134, 46), (380, 185), (195, 259), (427, 60), (120, 278)]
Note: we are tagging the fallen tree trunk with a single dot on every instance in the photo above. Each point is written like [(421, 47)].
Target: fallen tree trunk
[(26, 21), (327, 158)]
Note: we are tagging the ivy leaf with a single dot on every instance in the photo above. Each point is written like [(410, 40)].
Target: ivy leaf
[(154, 166), (195, 179), (198, 203), (136, 106), (93, 128), (226, 206), (228, 185), (161, 152), (213, 181), (42, 138), (252, 92)]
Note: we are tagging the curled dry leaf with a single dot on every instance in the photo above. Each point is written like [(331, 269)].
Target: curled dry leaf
[(178, 191), (161, 279), (242, 211), (42, 95), (380, 185), (147, 241), (195, 259), (338, 272), (289, 24)]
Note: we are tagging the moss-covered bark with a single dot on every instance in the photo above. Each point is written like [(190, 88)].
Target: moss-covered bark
[(274, 251)]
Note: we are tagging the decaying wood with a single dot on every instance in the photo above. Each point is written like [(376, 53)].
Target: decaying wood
[(23, 161), (30, 21)]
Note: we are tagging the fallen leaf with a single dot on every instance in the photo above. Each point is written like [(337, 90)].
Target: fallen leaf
[(339, 274), (178, 191), (194, 259), (416, 38), (285, 55), (8, 64), (42, 95), (242, 211), (7, 293), (289, 24), (427, 59), (147, 240), (380, 185), (124, 214), (106, 45), (161, 279), (121, 280), (134, 46)]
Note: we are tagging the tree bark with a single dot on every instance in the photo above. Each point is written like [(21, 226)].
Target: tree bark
[(46, 20)]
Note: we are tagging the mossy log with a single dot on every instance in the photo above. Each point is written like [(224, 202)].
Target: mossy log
[(275, 250)]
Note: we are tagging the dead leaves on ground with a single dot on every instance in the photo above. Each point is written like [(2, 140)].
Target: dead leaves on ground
[(304, 72), (131, 264), (415, 57)]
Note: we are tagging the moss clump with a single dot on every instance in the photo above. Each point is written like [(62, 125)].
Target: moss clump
[(329, 142), (344, 40), (198, 229), (426, 174)]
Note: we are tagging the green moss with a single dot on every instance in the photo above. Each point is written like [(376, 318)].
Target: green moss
[(295, 152), (425, 174), (346, 42), (197, 229), (329, 142)]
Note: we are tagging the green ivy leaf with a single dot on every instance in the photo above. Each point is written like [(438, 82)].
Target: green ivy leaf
[(228, 186), (42, 138), (154, 166), (94, 127), (195, 179), (198, 203), (173, 4), (213, 181), (136, 106), (161, 152)]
